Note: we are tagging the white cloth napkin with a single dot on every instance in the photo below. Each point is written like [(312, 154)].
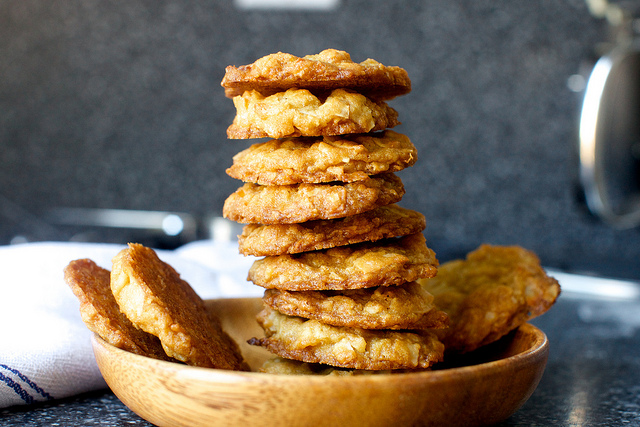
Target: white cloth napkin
[(45, 348)]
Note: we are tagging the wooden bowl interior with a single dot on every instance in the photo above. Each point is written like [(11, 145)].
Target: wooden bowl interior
[(485, 386), (238, 317)]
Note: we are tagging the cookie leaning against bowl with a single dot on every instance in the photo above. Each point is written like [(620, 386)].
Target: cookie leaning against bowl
[(344, 158), (298, 112), (155, 298), (314, 342), (287, 204), (407, 306), (362, 265), (101, 314), (381, 223), (322, 72), (490, 293)]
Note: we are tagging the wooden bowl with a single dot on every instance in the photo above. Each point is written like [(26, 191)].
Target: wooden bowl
[(486, 386)]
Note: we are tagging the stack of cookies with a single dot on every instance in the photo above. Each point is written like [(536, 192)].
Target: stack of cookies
[(340, 258), (350, 282)]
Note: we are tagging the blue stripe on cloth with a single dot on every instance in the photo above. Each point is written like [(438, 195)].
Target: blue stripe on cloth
[(26, 379), (17, 388)]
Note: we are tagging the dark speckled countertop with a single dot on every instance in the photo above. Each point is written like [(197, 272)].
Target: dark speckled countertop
[(107, 106), (592, 377)]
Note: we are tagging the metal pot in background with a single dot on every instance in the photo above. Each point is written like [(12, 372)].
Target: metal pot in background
[(609, 132)]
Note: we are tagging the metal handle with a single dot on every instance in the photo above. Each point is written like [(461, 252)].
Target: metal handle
[(609, 138)]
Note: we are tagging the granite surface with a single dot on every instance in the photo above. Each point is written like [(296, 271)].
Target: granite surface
[(592, 377), (111, 105)]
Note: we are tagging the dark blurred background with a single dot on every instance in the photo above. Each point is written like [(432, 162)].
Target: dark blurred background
[(118, 105)]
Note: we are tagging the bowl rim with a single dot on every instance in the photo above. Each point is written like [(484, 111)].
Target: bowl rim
[(538, 350)]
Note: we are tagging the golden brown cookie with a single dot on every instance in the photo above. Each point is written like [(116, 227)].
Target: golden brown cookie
[(298, 112), (286, 204), (493, 291), (100, 312), (381, 223), (282, 366), (345, 158), (314, 342), (406, 306), (155, 298), (363, 265), (325, 71)]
